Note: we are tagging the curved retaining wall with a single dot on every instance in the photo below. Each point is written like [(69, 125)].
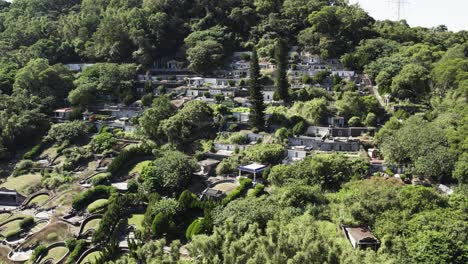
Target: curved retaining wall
[(86, 253), (56, 244), (89, 218), (29, 234), (89, 177), (222, 181), (34, 195)]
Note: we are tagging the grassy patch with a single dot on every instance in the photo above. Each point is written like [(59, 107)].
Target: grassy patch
[(4, 216), (54, 232), (93, 224), (56, 253), (226, 187), (9, 227), (39, 200), (91, 257), (137, 220), (96, 205), (22, 183), (51, 151), (139, 167)]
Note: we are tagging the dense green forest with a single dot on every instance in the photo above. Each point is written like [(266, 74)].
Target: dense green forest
[(297, 218)]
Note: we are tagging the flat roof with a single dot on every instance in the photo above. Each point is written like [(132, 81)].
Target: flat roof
[(64, 110), (253, 168)]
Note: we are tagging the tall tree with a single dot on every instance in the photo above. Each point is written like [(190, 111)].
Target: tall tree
[(257, 117), (281, 71)]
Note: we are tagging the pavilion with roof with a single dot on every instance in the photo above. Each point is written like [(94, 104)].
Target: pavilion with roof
[(253, 168)]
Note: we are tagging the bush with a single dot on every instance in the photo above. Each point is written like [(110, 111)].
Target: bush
[(78, 249), (219, 98), (245, 56), (26, 222), (76, 114), (75, 156), (52, 237), (245, 183), (354, 121), (238, 138), (126, 156), (67, 131), (23, 167), (103, 142), (197, 227), (147, 99), (103, 179), (34, 151), (97, 205), (40, 250), (300, 128), (86, 197), (257, 190), (162, 225), (233, 127), (132, 186)]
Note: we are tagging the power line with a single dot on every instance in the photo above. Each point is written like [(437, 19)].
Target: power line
[(400, 6)]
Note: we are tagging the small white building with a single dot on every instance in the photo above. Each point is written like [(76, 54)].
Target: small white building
[(62, 114), (326, 144), (268, 95), (296, 153)]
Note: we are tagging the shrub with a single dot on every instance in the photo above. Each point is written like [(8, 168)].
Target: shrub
[(76, 114), (257, 190), (103, 142), (23, 167), (67, 131), (78, 249), (299, 129), (162, 225), (245, 56), (238, 138), (354, 121), (126, 156), (132, 186), (245, 183), (40, 250), (97, 205), (51, 237), (26, 222), (389, 172), (195, 228), (75, 156), (103, 179), (147, 99), (219, 98), (86, 197), (34, 151), (233, 127)]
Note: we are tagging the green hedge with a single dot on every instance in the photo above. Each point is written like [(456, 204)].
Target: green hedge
[(103, 179), (78, 249), (87, 197), (195, 228), (34, 151), (245, 184), (40, 250), (126, 156), (257, 190)]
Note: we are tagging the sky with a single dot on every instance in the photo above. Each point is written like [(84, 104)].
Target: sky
[(425, 13)]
